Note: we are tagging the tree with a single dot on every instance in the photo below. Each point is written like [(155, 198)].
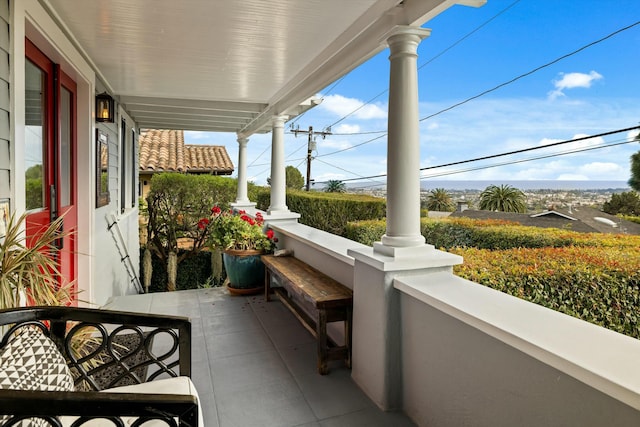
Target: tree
[(293, 178), (627, 203), (439, 200), (335, 186), (503, 198), (634, 181)]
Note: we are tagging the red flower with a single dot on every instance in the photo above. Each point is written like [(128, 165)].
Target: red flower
[(202, 224), (216, 210), (270, 234)]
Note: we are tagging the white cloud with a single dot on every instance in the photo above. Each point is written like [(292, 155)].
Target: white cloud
[(571, 81), (575, 145), (355, 108), (603, 170), (346, 128), (329, 142)]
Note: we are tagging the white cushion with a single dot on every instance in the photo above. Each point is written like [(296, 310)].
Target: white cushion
[(178, 385)]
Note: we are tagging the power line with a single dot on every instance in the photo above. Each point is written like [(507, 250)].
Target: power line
[(457, 42), (528, 73), (513, 80), (529, 159), (523, 150), (469, 34)]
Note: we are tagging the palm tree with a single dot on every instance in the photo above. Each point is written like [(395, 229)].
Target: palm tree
[(439, 200), (503, 198), (335, 186)]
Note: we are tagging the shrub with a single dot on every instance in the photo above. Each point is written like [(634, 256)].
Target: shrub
[(600, 285), (193, 273), (592, 276), (329, 211), (175, 204), (366, 232)]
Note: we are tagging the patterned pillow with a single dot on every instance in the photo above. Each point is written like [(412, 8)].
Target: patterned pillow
[(31, 361)]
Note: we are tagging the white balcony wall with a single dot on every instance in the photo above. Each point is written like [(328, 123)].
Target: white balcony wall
[(475, 356)]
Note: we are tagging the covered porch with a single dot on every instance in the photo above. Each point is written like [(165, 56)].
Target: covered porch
[(442, 350)]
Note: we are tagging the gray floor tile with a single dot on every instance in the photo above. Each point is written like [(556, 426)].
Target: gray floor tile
[(230, 323), (274, 404), (371, 417), (334, 394), (237, 343), (255, 365), (201, 377), (241, 372), (209, 409)]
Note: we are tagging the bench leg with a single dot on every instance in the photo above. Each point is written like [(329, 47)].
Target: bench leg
[(347, 335), (267, 284), (323, 349)]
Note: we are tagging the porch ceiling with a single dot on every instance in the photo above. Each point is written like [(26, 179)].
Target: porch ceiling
[(229, 66)]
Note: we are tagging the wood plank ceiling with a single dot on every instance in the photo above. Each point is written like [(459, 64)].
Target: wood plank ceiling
[(229, 65)]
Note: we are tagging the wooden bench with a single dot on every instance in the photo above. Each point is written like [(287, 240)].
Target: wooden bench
[(315, 299)]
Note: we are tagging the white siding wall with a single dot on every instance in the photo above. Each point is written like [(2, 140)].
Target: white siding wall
[(5, 154)]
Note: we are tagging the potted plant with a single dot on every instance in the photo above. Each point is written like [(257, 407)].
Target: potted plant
[(242, 239), (28, 272)]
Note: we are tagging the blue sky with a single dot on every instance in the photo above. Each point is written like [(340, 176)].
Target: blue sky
[(472, 50)]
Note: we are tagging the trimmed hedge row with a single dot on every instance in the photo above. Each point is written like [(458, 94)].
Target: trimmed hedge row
[(591, 276), (598, 284), (450, 233), (329, 211)]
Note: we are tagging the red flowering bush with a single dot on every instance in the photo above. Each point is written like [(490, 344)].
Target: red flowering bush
[(228, 230)]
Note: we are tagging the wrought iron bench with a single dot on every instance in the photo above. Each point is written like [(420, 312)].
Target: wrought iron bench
[(66, 366)]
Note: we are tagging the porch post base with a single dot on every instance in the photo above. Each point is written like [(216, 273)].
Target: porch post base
[(377, 329), (242, 205)]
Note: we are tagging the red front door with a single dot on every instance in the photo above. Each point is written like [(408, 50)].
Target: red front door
[(50, 138)]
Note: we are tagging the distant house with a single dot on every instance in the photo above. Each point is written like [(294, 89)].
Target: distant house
[(581, 219), (165, 151)]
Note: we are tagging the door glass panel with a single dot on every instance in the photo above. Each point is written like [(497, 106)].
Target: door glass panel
[(64, 186), (34, 150)]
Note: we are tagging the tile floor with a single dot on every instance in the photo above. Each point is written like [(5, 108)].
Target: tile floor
[(255, 365)]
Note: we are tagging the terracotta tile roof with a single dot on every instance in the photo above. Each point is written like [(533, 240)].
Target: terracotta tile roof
[(165, 151)]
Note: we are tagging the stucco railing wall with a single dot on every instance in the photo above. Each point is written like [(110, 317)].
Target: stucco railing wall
[(475, 356)]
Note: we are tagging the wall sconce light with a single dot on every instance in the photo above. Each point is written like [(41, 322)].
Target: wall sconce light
[(104, 108)]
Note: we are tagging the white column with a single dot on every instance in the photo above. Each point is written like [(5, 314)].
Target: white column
[(403, 144), (241, 196), (278, 182), (377, 312)]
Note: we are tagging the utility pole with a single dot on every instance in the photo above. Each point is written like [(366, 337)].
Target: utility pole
[(311, 145)]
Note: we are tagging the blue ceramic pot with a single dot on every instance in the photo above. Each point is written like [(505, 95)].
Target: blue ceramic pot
[(244, 269)]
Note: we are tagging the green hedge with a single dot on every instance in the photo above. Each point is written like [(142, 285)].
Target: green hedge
[(329, 211), (449, 233), (591, 276), (600, 285)]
